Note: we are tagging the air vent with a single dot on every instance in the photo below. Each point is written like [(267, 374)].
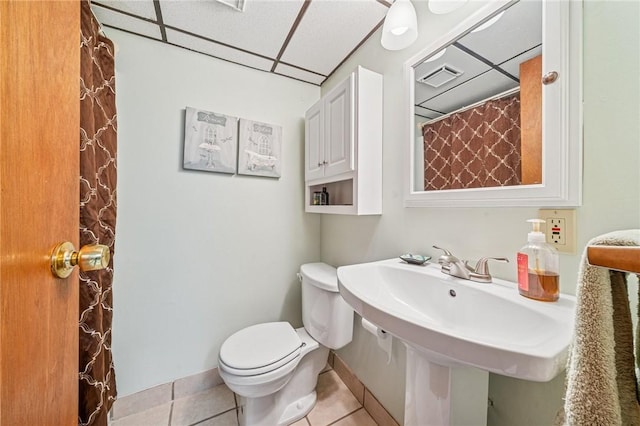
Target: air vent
[(440, 76)]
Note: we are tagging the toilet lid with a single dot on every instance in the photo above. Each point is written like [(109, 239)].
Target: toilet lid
[(262, 347), (320, 275)]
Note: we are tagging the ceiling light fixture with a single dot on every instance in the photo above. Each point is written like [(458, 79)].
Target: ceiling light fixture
[(400, 27), (238, 5), (440, 7), (436, 56), (489, 23)]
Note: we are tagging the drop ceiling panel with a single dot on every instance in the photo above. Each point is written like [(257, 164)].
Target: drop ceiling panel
[(218, 50), (519, 30), (426, 113), (454, 57), (513, 66), (118, 20), (299, 74), (314, 43), (143, 8), (261, 28), (329, 31), (480, 88)]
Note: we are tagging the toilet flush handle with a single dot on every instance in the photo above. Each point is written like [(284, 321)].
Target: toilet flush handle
[(299, 276)]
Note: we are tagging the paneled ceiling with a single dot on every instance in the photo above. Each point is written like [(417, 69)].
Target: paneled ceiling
[(487, 61), (303, 40)]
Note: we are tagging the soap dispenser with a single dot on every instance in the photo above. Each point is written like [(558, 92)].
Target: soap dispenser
[(538, 267)]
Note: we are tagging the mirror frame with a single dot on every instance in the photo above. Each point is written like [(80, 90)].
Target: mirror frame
[(561, 116)]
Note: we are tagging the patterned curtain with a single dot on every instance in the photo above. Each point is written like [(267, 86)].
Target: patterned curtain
[(475, 148), (97, 387)]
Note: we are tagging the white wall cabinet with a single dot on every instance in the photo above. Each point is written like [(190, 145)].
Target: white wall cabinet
[(343, 146), (329, 129)]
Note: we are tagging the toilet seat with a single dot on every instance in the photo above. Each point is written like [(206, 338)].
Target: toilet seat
[(260, 349)]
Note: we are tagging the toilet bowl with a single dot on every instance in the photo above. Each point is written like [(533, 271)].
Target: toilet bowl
[(273, 368)]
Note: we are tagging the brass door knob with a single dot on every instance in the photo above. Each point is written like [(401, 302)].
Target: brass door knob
[(90, 258)]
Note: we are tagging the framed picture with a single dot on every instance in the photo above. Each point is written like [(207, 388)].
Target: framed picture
[(259, 149), (210, 141)]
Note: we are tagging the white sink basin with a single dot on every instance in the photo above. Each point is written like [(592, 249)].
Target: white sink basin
[(455, 322)]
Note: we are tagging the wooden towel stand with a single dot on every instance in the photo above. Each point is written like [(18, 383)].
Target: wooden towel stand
[(620, 258)]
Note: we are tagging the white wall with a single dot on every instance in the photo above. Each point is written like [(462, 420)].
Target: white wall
[(200, 255), (611, 196)]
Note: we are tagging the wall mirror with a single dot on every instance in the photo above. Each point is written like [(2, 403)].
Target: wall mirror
[(494, 109)]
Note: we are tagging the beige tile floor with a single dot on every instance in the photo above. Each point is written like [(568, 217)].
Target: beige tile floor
[(335, 406)]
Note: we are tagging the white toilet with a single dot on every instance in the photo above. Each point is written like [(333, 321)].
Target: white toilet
[(273, 367)]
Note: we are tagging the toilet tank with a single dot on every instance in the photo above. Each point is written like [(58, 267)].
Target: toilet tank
[(325, 314)]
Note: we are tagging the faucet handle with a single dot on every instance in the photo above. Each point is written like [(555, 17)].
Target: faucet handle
[(482, 267), (446, 259), (446, 252)]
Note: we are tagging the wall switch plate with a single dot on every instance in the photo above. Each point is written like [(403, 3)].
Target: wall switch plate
[(560, 228)]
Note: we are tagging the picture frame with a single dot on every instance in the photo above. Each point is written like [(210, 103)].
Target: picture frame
[(259, 149), (210, 141)]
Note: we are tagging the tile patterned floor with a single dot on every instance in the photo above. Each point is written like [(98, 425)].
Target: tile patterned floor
[(335, 406)]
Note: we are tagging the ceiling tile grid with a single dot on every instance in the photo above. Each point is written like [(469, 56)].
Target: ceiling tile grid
[(330, 30), (260, 29), (512, 66), (518, 30), (142, 8), (489, 59), (301, 39), (482, 86), (218, 50), (128, 23), (299, 74), (470, 66)]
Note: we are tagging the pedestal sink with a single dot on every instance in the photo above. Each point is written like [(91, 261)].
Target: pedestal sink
[(457, 331)]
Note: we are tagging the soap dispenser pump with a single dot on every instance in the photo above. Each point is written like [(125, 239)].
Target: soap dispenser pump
[(538, 267)]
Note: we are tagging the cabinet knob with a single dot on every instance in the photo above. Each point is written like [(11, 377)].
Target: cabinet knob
[(549, 77)]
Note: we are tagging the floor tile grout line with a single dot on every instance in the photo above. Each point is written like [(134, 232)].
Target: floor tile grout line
[(212, 417), (173, 399), (365, 390), (329, 369), (347, 415)]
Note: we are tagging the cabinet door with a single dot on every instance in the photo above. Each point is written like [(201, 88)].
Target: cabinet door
[(314, 142), (339, 128)]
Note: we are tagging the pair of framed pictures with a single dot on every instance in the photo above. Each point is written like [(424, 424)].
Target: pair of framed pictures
[(224, 144)]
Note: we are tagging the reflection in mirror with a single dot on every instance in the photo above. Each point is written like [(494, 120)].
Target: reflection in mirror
[(478, 106), (517, 138)]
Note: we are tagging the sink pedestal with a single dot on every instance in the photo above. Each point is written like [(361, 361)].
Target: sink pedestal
[(439, 395)]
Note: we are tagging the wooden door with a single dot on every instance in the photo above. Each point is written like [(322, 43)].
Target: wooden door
[(531, 120), (39, 128)]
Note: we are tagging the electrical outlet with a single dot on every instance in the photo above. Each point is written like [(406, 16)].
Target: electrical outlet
[(560, 228), (558, 232)]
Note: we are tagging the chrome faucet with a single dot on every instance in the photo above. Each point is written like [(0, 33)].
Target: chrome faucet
[(455, 267)]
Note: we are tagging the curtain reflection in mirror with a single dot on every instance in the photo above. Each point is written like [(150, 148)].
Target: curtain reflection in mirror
[(474, 148)]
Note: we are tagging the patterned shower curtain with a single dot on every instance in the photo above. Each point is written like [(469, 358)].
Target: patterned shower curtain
[(475, 148), (97, 387)]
